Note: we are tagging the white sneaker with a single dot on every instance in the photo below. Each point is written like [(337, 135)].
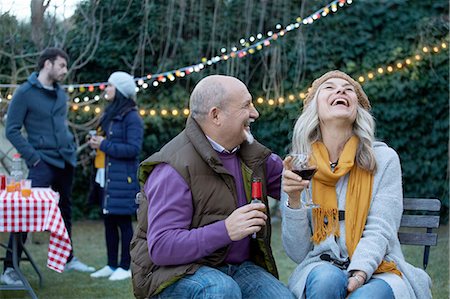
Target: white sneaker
[(106, 271), (76, 265), (120, 274), (10, 277)]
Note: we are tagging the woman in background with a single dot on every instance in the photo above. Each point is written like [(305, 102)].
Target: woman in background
[(348, 246), (118, 143)]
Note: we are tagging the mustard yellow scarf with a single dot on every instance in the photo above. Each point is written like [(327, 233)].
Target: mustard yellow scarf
[(357, 204)]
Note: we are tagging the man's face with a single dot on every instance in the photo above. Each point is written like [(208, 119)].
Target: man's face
[(238, 113), (58, 69)]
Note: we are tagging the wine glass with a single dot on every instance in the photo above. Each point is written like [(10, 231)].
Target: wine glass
[(305, 165)]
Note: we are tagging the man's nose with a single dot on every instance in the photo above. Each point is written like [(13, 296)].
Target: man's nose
[(254, 113)]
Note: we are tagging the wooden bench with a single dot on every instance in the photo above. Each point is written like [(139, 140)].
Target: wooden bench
[(422, 213)]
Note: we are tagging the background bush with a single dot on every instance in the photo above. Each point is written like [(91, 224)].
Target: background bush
[(410, 105)]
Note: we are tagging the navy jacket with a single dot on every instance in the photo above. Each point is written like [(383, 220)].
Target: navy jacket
[(122, 146), (43, 113)]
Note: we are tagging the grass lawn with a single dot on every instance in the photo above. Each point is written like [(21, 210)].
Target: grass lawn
[(90, 248)]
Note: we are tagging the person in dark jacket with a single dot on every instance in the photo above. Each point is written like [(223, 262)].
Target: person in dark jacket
[(118, 143), (195, 222), (40, 106)]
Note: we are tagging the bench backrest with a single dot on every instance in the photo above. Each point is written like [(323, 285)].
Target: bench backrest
[(420, 213)]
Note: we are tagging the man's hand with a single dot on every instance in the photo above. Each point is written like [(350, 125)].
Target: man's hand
[(245, 221)]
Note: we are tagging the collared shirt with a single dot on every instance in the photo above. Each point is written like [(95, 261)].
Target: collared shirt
[(220, 149), (169, 237)]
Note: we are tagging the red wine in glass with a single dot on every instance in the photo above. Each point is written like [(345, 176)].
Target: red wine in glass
[(306, 174), (305, 165)]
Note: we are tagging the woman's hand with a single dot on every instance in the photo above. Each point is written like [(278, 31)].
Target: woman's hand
[(356, 280), (292, 183), (95, 141)]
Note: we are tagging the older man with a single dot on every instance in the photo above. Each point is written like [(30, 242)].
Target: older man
[(194, 236)]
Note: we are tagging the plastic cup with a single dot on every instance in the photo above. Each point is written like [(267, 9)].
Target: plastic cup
[(25, 186), (10, 184)]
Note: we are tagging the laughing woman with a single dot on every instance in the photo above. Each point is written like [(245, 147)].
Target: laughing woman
[(118, 144), (348, 246)]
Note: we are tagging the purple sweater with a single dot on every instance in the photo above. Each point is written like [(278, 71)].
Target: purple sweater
[(170, 241)]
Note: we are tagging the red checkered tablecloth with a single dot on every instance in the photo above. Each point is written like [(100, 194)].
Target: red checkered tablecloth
[(37, 213)]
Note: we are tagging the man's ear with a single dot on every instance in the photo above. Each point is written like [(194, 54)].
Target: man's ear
[(48, 64), (214, 115)]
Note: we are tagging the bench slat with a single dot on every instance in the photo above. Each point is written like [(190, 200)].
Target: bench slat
[(418, 238), (422, 204), (428, 221)]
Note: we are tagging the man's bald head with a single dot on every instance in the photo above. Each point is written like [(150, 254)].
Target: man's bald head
[(210, 92)]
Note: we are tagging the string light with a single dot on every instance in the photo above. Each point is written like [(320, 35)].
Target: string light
[(400, 64), (225, 55)]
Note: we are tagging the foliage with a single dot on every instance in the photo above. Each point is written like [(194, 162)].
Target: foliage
[(411, 105)]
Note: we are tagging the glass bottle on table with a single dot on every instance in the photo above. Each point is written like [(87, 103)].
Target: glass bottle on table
[(16, 170)]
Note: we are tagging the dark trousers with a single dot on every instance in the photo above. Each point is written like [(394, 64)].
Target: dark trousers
[(60, 180), (114, 223)]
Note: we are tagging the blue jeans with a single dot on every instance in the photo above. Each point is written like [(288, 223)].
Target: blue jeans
[(246, 280), (328, 281)]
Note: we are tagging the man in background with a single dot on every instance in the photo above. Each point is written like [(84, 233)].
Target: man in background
[(40, 106)]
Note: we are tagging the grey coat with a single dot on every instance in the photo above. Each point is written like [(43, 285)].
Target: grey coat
[(379, 240)]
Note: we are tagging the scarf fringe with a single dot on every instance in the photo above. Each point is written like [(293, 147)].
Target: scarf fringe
[(322, 229), (386, 266)]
